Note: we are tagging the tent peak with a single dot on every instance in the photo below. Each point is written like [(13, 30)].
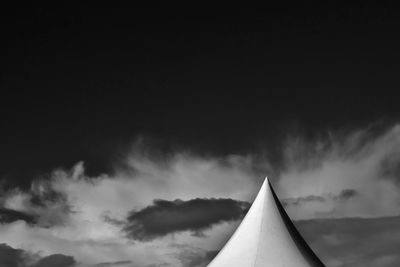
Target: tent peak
[(266, 237)]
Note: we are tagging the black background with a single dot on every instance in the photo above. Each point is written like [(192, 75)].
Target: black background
[(81, 82)]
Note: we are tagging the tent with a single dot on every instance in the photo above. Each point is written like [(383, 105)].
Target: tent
[(266, 237)]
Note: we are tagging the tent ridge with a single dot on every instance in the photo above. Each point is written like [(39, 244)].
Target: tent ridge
[(258, 238)]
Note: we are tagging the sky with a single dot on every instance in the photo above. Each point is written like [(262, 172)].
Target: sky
[(139, 136)]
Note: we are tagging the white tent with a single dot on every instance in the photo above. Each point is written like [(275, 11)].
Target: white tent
[(266, 237)]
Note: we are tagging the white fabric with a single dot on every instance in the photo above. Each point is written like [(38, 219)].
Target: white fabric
[(262, 238)]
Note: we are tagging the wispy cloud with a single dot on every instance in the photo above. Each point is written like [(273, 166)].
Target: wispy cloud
[(352, 170), (340, 176)]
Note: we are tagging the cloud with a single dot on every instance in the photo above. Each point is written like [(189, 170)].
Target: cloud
[(113, 264), (58, 260), (195, 257), (335, 177), (355, 242), (355, 173), (82, 216), (302, 200), (42, 205), (344, 195), (10, 257), (8, 216), (195, 215)]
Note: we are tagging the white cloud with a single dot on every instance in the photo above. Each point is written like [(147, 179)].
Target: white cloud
[(91, 239), (323, 168)]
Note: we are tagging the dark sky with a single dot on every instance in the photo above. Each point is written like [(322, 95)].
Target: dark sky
[(82, 82)]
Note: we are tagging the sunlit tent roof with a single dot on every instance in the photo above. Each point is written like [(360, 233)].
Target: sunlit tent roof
[(266, 237)]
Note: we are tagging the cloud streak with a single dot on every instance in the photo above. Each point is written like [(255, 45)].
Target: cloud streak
[(195, 215), (9, 215), (344, 195)]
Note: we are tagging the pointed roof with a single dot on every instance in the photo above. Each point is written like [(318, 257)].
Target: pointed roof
[(266, 237)]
